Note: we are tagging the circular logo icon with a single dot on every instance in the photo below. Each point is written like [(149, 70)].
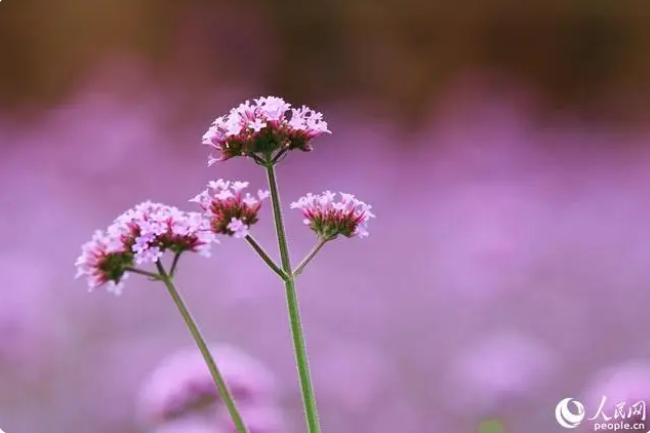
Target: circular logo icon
[(569, 413)]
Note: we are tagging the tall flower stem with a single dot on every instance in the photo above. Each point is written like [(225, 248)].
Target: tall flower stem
[(306, 386), (219, 381)]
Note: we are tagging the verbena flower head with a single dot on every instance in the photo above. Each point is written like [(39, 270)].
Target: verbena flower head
[(263, 127), (329, 217), (182, 385), (141, 235), (499, 368), (228, 209)]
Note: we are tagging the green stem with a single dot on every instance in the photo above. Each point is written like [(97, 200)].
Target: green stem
[(172, 269), (141, 272), (219, 381), (306, 387), (257, 159), (264, 255), (301, 267), (278, 156)]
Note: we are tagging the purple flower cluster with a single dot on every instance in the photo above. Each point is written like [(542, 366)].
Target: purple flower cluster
[(141, 235), (181, 390), (228, 210), (262, 127), (329, 218), (264, 130)]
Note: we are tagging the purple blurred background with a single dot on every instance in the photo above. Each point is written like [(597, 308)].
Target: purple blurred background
[(505, 149)]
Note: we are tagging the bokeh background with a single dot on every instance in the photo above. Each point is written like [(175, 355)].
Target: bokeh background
[(505, 147)]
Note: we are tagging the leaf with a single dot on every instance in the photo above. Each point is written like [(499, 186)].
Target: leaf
[(490, 426)]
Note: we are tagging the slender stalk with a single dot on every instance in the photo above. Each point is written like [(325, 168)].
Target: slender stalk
[(172, 269), (306, 386), (141, 272), (279, 156), (219, 381), (267, 259), (257, 159), (301, 267)]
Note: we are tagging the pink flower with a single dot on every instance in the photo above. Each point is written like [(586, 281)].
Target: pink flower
[(228, 210), (498, 369), (182, 385), (141, 235), (239, 229), (330, 218), (263, 127), (622, 389)]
